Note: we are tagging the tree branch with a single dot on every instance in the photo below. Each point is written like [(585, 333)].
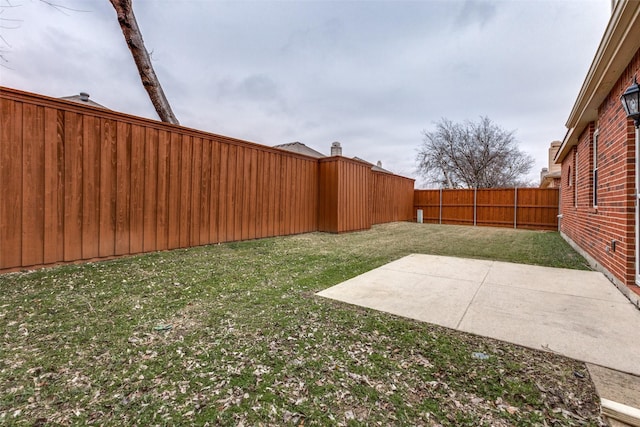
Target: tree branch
[(150, 81)]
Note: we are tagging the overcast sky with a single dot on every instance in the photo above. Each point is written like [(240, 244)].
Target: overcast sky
[(370, 74)]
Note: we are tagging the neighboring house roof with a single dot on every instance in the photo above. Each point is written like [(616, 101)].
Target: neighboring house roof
[(298, 147), (550, 177), (376, 168), (619, 44), (83, 98), (550, 180)]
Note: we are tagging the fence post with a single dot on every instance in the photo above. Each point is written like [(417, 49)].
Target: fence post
[(440, 211), (515, 208), (475, 204)]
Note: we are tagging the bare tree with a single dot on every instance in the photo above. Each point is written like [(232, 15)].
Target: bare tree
[(472, 155), (133, 37)]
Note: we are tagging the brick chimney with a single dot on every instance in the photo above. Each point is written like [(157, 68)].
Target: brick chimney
[(544, 172), (336, 149)]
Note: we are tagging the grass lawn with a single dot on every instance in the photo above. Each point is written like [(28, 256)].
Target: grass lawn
[(233, 334)]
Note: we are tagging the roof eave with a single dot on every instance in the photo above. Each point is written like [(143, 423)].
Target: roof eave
[(617, 47)]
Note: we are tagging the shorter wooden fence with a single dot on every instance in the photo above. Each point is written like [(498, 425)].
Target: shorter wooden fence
[(530, 208)]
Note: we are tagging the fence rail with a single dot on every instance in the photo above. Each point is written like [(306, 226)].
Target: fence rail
[(531, 208)]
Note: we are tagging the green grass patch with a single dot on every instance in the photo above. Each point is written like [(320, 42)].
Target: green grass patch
[(233, 334)]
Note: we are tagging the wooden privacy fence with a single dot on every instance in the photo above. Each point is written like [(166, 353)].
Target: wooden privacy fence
[(532, 208), (78, 183)]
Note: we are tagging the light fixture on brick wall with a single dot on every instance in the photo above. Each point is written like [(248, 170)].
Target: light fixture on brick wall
[(631, 102)]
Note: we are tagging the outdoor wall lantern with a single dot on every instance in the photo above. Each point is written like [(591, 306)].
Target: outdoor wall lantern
[(631, 102)]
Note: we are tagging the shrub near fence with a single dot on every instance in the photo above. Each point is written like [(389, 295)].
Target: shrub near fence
[(531, 208), (79, 182)]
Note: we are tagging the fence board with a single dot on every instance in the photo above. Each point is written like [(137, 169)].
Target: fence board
[(285, 199), (215, 199), (32, 185), (253, 196), (196, 190), (296, 196), (162, 205), (328, 200), (137, 180), (260, 196), (73, 186), (123, 176), (246, 206), (225, 203), (107, 188), (91, 187), (173, 219), (184, 211), (150, 190), (273, 195), (236, 213), (295, 184), (279, 197), (203, 193), (53, 188), (314, 189), (10, 183)]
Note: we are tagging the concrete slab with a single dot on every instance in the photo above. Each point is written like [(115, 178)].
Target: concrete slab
[(556, 280), (588, 329), (473, 270), (579, 314), (432, 299)]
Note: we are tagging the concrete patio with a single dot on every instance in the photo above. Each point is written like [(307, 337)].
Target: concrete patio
[(579, 314)]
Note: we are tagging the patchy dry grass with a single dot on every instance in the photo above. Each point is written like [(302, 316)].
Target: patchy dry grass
[(233, 335)]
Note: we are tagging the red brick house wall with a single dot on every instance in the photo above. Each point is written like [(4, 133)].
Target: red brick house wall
[(606, 232)]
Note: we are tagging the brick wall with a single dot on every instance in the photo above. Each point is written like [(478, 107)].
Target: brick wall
[(594, 228)]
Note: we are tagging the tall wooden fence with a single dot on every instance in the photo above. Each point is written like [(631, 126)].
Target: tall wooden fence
[(79, 182), (389, 197), (531, 208)]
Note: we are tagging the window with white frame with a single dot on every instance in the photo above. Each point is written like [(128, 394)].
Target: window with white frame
[(595, 169)]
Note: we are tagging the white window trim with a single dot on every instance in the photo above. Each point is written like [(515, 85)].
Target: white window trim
[(575, 183), (595, 168)]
